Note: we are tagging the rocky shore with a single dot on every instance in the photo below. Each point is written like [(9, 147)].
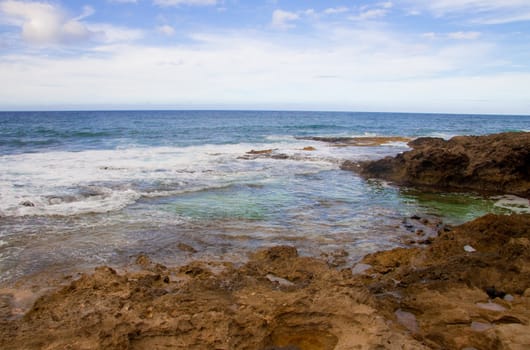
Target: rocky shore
[(498, 163), (467, 288)]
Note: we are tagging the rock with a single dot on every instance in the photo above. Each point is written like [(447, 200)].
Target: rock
[(309, 148), (281, 281), (480, 326), (469, 249), (446, 288), (27, 204), (368, 141), (186, 248), (497, 163), (491, 306), (494, 293), (408, 320), (264, 151)]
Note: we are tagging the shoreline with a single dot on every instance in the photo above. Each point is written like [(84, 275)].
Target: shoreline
[(444, 295), (463, 287)]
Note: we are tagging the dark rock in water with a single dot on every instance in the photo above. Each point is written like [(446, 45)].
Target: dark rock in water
[(365, 141), (186, 248), (498, 163), (27, 204), (280, 156), (264, 151), (494, 293)]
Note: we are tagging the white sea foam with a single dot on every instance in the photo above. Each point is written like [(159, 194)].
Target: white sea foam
[(443, 135), (513, 203), (70, 183)]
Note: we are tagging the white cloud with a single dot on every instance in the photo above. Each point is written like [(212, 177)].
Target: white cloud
[(429, 35), (336, 10), (478, 11), (283, 19), (369, 15), (464, 35), (166, 30), (352, 68), (43, 23), (109, 34), (185, 2), (124, 1)]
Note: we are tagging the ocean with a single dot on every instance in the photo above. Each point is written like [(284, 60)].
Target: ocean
[(87, 188)]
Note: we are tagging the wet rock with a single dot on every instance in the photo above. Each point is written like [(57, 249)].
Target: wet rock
[(469, 249), (309, 148), (368, 141), (491, 306), (408, 320), (447, 289), (495, 163), (27, 204), (263, 151), (186, 248), (480, 326), (281, 281), (494, 293)]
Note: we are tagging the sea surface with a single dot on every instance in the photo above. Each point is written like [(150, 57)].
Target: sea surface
[(81, 189)]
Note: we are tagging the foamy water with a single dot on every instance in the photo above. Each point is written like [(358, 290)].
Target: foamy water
[(82, 189)]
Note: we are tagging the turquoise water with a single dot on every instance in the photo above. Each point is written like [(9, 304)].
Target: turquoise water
[(80, 189)]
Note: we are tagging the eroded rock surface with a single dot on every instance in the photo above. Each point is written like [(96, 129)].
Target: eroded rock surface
[(436, 297), (305, 305), (457, 299), (498, 163)]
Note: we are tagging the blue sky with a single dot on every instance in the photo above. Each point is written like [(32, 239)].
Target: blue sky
[(461, 56)]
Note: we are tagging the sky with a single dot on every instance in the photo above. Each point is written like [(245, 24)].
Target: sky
[(438, 56)]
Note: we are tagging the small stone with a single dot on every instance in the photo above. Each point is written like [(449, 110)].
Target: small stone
[(309, 148), (509, 298), (469, 249), (480, 326), (27, 204), (281, 281), (491, 306), (408, 320)]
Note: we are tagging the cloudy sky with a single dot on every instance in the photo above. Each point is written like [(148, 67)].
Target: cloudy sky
[(462, 56)]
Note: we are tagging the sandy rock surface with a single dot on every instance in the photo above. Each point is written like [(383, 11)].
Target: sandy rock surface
[(438, 297)]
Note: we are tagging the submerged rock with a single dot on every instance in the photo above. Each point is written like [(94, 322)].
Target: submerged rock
[(366, 141), (498, 163)]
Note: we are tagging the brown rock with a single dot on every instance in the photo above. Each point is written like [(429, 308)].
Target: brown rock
[(498, 163)]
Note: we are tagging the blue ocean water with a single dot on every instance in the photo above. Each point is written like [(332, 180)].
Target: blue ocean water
[(76, 131), (79, 189)]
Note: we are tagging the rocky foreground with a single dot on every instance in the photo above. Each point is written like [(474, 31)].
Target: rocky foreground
[(498, 163), (470, 289)]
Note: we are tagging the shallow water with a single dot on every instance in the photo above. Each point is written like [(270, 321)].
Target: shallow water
[(80, 189)]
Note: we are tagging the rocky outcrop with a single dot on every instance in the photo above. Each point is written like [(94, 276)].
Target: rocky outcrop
[(445, 296), (469, 289), (365, 141), (278, 300), (498, 163)]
